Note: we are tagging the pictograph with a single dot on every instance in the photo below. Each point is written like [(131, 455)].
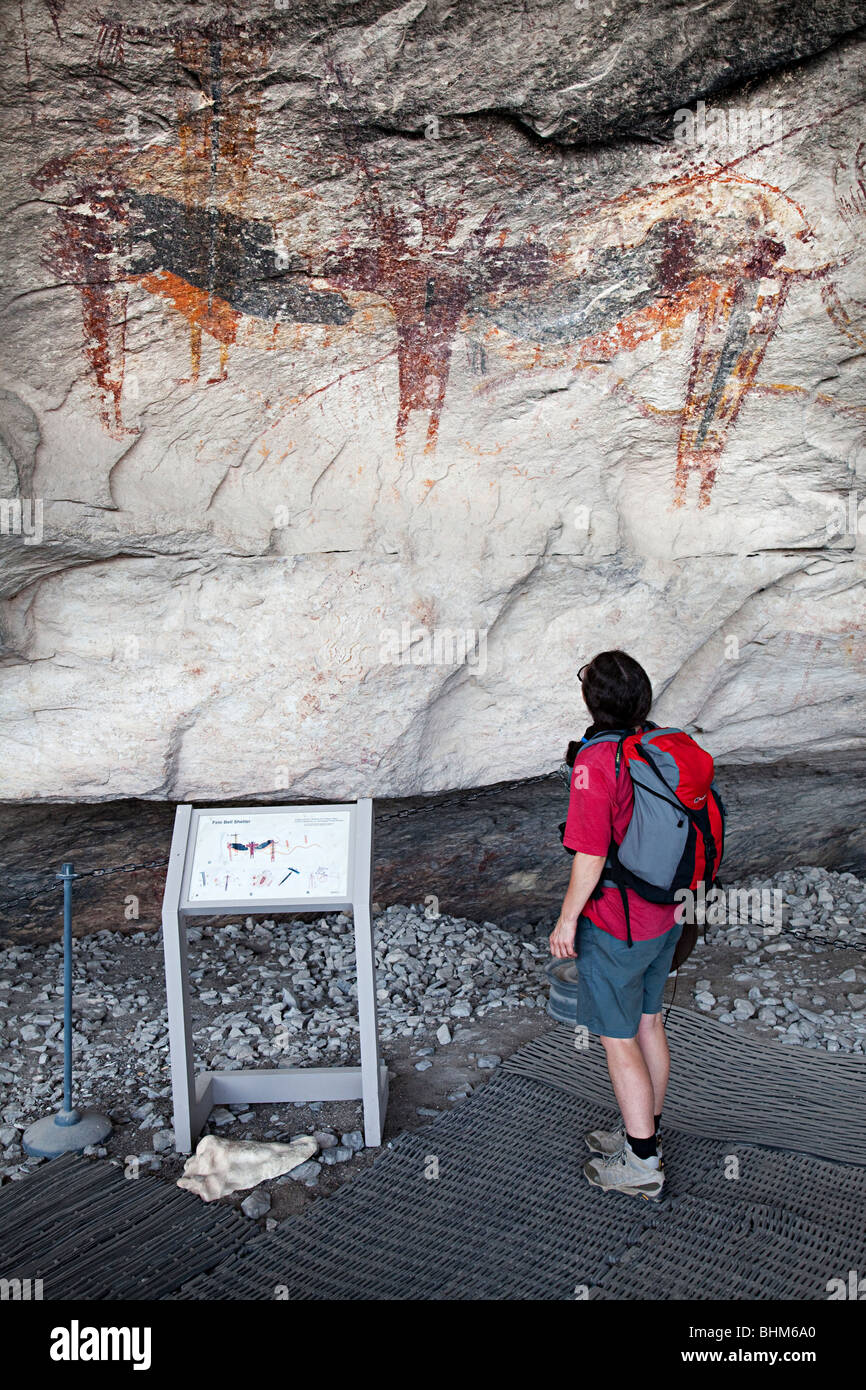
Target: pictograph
[(296, 854)]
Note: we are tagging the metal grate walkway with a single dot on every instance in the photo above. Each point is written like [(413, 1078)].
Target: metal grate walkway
[(510, 1216), (490, 1202), (88, 1232), (728, 1085)]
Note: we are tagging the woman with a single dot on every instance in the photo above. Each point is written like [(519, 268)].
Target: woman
[(620, 987)]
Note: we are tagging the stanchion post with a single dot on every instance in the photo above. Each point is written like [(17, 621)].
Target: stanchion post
[(69, 1131), (67, 874)]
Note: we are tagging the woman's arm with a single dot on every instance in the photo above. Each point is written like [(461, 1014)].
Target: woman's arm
[(585, 873)]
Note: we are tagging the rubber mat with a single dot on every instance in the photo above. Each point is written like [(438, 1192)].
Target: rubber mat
[(709, 1251), (725, 1084), (490, 1202), (90, 1233)]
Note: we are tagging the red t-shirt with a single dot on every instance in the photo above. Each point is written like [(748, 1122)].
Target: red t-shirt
[(598, 803)]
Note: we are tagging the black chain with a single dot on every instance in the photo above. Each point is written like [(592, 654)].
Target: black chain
[(84, 873), (459, 799), (123, 869), (798, 934), (817, 941)]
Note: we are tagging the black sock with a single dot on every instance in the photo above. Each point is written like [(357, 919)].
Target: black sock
[(643, 1148), (658, 1120)]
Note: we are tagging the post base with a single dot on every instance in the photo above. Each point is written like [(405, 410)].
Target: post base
[(53, 1135)]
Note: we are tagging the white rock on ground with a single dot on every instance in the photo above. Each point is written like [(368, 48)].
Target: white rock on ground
[(222, 1166)]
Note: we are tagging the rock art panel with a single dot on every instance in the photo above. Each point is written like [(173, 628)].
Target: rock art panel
[(327, 326)]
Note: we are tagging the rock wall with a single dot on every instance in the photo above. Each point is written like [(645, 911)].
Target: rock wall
[(368, 367)]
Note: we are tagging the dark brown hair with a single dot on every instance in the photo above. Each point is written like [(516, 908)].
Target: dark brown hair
[(617, 690)]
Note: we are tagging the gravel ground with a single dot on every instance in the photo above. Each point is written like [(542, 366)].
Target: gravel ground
[(455, 997), (801, 974)]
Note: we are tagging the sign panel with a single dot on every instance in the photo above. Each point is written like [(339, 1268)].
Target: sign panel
[(265, 857)]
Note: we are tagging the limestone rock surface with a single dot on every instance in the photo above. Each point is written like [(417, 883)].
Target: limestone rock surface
[(366, 368)]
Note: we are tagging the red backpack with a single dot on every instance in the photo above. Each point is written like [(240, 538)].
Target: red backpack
[(676, 835)]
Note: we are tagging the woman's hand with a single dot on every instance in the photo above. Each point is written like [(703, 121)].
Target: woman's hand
[(562, 938), (585, 873)]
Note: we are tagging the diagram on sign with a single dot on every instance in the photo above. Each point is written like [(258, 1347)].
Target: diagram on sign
[(281, 855)]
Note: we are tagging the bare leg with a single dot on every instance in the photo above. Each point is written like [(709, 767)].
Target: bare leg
[(632, 1085), (654, 1046)]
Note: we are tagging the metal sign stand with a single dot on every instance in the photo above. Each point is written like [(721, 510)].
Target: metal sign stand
[(195, 1096)]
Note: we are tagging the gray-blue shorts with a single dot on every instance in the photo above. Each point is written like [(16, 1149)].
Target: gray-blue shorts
[(617, 983)]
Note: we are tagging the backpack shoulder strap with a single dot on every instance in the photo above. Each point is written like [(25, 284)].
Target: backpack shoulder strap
[(618, 758)]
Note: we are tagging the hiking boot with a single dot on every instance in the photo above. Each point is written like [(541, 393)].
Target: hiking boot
[(610, 1141), (623, 1171)]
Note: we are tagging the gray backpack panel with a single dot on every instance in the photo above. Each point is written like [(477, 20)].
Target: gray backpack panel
[(655, 840)]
